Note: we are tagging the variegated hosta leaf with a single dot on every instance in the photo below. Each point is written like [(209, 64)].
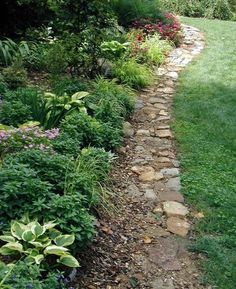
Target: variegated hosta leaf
[(17, 230), (28, 236), (7, 238), (37, 229), (69, 261), (14, 246), (65, 240), (55, 250), (79, 95)]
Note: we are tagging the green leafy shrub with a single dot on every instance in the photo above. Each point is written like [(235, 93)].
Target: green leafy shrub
[(3, 86), (22, 191), (14, 113), (130, 10), (49, 167), (22, 275), (79, 130), (69, 86), (132, 73), (113, 49), (37, 59), (56, 59), (220, 9), (36, 242), (15, 76)]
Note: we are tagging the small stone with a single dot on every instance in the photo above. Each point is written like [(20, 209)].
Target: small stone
[(176, 163), (171, 196), (160, 284), (139, 104), (174, 209), (157, 100), (133, 191), (163, 160), (178, 226), (150, 194), (172, 172), (166, 90), (160, 106), (137, 170), (164, 133), (173, 74), (143, 132), (161, 118), (128, 129), (158, 210), (148, 175), (163, 112), (174, 184), (161, 127)]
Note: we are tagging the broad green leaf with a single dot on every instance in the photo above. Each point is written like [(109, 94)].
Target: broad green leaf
[(32, 252), (7, 238), (55, 250), (69, 261), (38, 230), (79, 95), (38, 259), (14, 246), (17, 229), (28, 236), (6, 251), (29, 124), (49, 225), (65, 240)]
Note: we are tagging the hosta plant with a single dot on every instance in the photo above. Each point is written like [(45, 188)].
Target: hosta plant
[(36, 242)]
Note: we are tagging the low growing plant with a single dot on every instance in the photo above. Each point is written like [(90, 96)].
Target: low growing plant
[(132, 73), (37, 242), (15, 75)]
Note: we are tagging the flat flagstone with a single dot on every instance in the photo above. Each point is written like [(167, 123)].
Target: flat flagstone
[(178, 226), (174, 184), (172, 172), (164, 133), (171, 196), (143, 132), (174, 209)]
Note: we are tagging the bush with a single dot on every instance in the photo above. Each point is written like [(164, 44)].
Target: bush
[(130, 10), (170, 30), (22, 275), (69, 86), (14, 113), (15, 76), (3, 86), (56, 59), (132, 73), (220, 9), (22, 191), (79, 130)]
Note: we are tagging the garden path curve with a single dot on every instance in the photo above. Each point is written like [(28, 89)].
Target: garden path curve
[(148, 239)]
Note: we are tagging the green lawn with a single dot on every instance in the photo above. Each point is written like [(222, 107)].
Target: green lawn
[(205, 128)]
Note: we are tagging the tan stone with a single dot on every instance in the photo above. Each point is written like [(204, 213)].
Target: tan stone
[(160, 106), (174, 209), (163, 160), (164, 133), (178, 226), (163, 112), (148, 175), (143, 132)]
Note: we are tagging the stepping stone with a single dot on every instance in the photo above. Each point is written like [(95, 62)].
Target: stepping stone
[(171, 196), (139, 104), (150, 176), (160, 284), (173, 74), (133, 191), (143, 132), (172, 172), (164, 254), (128, 129), (156, 232), (174, 184), (160, 106), (157, 100), (163, 112), (164, 133), (174, 209), (150, 194), (178, 226), (163, 160), (161, 118), (166, 90)]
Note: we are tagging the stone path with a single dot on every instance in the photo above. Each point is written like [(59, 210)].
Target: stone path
[(153, 171), (143, 246)]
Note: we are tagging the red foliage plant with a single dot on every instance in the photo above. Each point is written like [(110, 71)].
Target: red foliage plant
[(169, 29)]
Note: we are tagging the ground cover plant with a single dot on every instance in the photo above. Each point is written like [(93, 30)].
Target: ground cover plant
[(67, 84), (205, 129)]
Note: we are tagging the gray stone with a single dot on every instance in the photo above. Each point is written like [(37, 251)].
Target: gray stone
[(133, 191), (164, 254), (160, 284), (160, 106), (172, 172), (143, 132), (150, 194), (139, 104), (128, 129), (174, 184), (178, 226), (174, 209), (156, 100)]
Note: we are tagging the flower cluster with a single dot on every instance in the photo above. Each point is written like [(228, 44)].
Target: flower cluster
[(170, 30), (26, 138)]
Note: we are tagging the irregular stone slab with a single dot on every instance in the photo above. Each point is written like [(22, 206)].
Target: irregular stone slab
[(172, 74), (164, 133), (161, 118), (163, 112), (164, 254), (172, 172), (174, 184), (143, 132), (178, 226), (157, 100), (163, 127), (150, 175), (171, 196), (160, 106), (133, 191), (174, 209), (166, 90), (139, 104), (163, 160), (156, 232), (150, 194), (128, 129)]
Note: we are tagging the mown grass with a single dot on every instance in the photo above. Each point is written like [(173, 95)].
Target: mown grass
[(205, 128)]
